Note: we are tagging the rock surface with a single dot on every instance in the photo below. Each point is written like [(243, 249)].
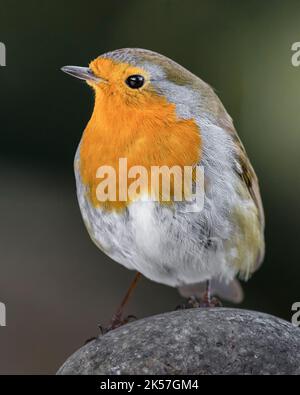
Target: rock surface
[(194, 341)]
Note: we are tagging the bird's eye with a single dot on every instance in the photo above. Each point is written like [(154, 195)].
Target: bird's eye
[(135, 81)]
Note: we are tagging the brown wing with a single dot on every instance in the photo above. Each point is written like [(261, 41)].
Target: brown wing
[(247, 174)]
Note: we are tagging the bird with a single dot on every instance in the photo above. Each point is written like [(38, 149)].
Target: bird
[(154, 112)]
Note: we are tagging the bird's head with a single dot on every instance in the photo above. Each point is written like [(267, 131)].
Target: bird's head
[(137, 79)]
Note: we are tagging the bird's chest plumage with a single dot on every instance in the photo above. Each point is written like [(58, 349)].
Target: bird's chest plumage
[(146, 136)]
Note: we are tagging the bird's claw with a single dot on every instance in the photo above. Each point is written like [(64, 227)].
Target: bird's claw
[(194, 302), (115, 323)]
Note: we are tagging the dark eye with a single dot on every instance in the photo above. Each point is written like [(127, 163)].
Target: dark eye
[(135, 81)]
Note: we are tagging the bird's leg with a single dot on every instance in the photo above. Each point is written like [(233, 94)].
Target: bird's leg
[(116, 320), (208, 300), (207, 294)]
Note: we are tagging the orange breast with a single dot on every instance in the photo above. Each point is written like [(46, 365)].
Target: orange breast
[(147, 133)]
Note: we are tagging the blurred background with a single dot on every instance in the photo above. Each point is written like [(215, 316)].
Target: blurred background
[(55, 283)]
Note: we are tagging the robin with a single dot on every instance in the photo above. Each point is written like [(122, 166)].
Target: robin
[(153, 112)]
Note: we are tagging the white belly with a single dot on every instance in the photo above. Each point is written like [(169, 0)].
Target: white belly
[(162, 243)]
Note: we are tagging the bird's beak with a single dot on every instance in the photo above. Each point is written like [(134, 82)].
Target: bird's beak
[(83, 73)]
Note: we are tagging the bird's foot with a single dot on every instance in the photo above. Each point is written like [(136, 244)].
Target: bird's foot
[(194, 302), (116, 322), (213, 302)]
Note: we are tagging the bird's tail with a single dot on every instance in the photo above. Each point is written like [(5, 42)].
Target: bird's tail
[(231, 291)]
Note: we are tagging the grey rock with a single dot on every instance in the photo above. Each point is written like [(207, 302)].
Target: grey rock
[(194, 341)]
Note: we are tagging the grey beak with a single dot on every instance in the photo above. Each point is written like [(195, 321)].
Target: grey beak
[(83, 73)]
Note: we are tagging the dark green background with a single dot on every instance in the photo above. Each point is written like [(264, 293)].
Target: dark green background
[(56, 285)]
